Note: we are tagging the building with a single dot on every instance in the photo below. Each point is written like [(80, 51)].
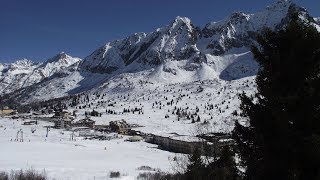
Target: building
[(62, 114), (135, 138), (178, 146), (122, 127), (62, 123), (7, 111), (206, 144), (30, 123), (47, 111), (84, 123)]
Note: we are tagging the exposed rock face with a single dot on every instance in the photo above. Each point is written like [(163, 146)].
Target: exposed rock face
[(174, 42), (24, 73), (174, 53), (181, 40)]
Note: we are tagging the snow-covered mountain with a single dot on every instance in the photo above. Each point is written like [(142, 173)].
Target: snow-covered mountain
[(24, 73), (181, 40), (174, 42), (177, 53)]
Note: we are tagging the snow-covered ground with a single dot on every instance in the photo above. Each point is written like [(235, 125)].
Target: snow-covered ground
[(214, 101), (62, 159)]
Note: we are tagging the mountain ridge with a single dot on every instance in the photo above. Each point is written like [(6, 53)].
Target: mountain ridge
[(24, 73), (178, 52)]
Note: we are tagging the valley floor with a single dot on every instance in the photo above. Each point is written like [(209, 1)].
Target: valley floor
[(61, 158)]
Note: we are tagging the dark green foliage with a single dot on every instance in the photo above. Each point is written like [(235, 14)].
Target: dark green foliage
[(283, 139), (114, 174), (235, 113), (159, 176), (23, 175), (198, 119), (95, 113), (223, 168), (196, 168)]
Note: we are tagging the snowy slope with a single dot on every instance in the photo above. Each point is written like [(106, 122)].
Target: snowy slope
[(13, 76), (173, 42), (181, 40), (239, 28), (24, 73)]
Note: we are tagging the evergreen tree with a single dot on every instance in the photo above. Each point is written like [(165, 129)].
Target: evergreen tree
[(225, 167), (195, 168), (283, 138), (198, 119)]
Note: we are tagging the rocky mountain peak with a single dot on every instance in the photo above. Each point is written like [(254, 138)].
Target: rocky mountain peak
[(59, 57), (238, 16), (181, 22), (63, 55), (280, 5), (179, 50), (23, 62)]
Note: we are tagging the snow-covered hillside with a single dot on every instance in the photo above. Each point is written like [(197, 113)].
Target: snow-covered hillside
[(24, 73)]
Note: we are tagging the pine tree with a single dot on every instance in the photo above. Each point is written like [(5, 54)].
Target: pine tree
[(195, 168), (225, 167), (198, 119), (283, 139)]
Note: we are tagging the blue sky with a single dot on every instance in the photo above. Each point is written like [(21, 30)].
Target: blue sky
[(39, 29)]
